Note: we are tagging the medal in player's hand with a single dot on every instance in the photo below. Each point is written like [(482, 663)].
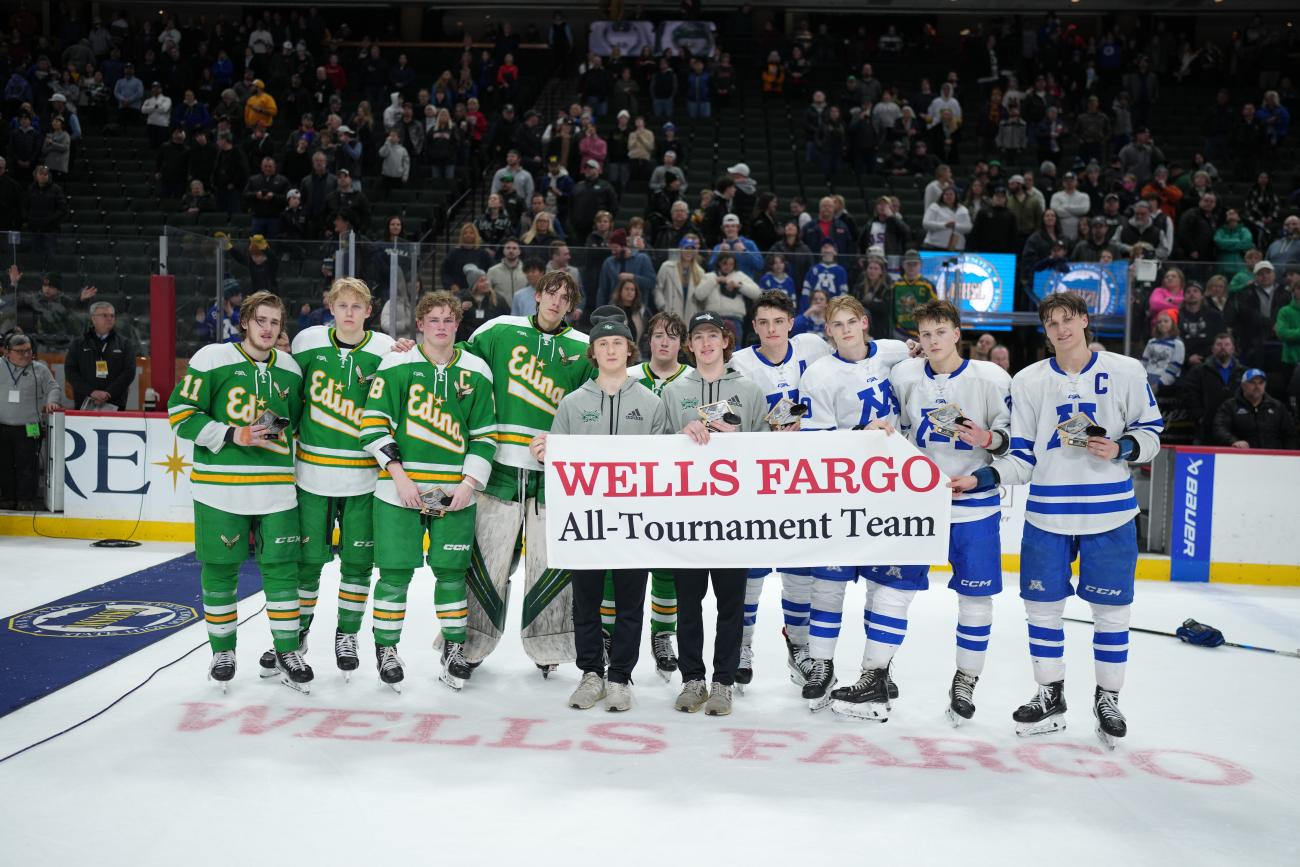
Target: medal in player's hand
[(720, 411), (435, 501), (785, 413), (274, 424), (1076, 431), (947, 420)]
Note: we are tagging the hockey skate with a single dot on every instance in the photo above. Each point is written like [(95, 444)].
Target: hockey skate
[(661, 647), (745, 671), (1111, 725), (295, 673), (455, 669), (961, 698), (392, 671), (345, 653), (591, 689), (266, 663), (546, 669), (222, 669), (1044, 713), (821, 680), (868, 699), (797, 660)]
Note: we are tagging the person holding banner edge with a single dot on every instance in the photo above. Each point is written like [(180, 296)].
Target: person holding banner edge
[(687, 400), (958, 412), (613, 404)]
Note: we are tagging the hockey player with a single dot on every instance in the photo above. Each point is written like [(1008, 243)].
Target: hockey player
[(430, 423), (666, 333), (239, 403), (535, 361), (849, 390), (1078, 421), (613, 404), (776, 365), (336, 478), (958, 413), (709, 345)]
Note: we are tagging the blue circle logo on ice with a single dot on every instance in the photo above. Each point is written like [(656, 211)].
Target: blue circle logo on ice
[(102, 619), (972, 279)]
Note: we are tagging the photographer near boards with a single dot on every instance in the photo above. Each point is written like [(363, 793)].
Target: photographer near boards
[(101, 363)]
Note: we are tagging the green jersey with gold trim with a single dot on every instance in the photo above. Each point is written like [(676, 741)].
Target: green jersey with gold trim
[(442, 418), (223, 388), (647, 377), (335, 381)]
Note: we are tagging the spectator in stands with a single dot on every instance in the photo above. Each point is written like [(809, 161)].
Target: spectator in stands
[(507, 276), (663, 90), (259, 108), (627, 297), (773, 75), (34, 393), (724, 291), (947, 222), (316, 188), (442, 146), (264, 197), (1210, 383), (1141, 156), (1287, 323), (1231, 241), (129, 93), (1167, 195), (229, 175), (197, 200), (46, 206), (1012, 138), (478, 303), (56, 149), (590, 195), (495, 224), (261, 266), (525, 301), (641, 148), (876, 293), (744, 195), (1093, 247), (743, 249), (1198, 323), (1196, 230), (908, 293), (798, 255), (1038, 246), (699, 91), (764, 223), (1262, 209), (469, 251), (592, 147), (1253, 419), (777, 278), (1274, 118), (1025, 207), (172, 165), (626, 93), (396, 166), (595, 85), (11, 200), (25, 144), (678, 278), (293, 224), (995, 229), (813, 320), (100, 366), (828, 227), (1257, 308), (1142, 228), (1220, 299), (825, 274), (51, 316), (1168, 295), (348, 197), (192, 114), (157, 111), (623, 262), (1164, 353), (1070, 204), (1285, 251)]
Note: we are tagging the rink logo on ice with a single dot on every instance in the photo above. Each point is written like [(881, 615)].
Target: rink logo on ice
[(102, 619), (1192, 519)]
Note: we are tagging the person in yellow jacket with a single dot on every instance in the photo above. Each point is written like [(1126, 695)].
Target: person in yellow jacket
[(260, 107)]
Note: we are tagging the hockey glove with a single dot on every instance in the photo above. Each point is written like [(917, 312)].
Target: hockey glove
[(1199, 634)]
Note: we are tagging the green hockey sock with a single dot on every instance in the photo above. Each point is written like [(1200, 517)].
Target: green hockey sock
[(354, 589), (452, 606), (308, 590), (608, 614), (219, 603), (663, 603), (280, 582), (390, 605)]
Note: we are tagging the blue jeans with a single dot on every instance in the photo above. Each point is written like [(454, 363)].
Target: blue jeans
[(662, 107), (699, 109), (267, 227), (599, 107), (447, 171)]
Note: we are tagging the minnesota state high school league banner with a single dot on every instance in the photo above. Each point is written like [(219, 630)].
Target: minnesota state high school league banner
[(746, 499)]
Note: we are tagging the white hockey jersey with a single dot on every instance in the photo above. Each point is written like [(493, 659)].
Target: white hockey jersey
[(1163, 360), (983, 391), (842, 395), (781, 380), (1070, 491)]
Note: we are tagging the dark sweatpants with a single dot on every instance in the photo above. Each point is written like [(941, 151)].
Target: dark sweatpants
[(588, 637), (729, 593), (19, 463)]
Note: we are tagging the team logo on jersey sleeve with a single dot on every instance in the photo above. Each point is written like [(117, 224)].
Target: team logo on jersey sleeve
[(974, 280), (102, 619)]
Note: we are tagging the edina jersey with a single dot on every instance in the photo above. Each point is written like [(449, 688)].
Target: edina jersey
[(644, 375), (335, 380), (224, 387), (441, 417), (532, 372)]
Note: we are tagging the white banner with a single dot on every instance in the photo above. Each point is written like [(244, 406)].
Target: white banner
[(126, 466), (744, 500), (628, 36)]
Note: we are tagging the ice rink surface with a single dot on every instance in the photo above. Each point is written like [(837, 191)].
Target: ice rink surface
[(504, 773)]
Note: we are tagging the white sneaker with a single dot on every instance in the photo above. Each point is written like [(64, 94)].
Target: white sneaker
[(692, 697), (618, 697), (591, 689), (719, 703)]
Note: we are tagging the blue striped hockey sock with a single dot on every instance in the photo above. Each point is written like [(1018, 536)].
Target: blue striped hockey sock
[(974, 625), (1110, 644), (886, 625), (1047, 640)]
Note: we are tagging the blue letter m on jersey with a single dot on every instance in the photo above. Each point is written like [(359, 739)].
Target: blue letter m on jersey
[(878, 401)]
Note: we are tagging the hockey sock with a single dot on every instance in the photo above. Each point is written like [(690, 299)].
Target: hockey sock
[(886, 625), (608, 613), (1047, 640), (824, 615), (280, 582), (663, 602), (974, 625), (451, 605), (796, 601), (219, 603), (390, 605), (308, 590), (753, 590), (1110, 644), (354, 589)]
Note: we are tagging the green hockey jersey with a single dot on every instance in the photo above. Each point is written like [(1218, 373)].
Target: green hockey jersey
[(443, 420), (532, 371), (335, 380), (224, 387), (644, 375)]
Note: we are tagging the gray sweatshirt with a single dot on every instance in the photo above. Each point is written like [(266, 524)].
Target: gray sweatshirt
[(35, 388), (589, 411), (688, 392)]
